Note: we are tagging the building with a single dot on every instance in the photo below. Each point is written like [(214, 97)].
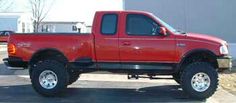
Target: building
[(62, 27), (89, 29), (17, 22), (213, 17)]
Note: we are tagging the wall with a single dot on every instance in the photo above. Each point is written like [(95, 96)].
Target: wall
[(28, 23), (63, 27), (8, 24), (14, 21)]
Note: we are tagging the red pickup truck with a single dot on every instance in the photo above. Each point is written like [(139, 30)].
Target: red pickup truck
[(131, 42)]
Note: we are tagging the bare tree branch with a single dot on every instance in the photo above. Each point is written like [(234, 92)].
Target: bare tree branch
[(39, 10)]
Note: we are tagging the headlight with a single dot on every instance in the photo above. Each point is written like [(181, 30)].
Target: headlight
[(224, 50)]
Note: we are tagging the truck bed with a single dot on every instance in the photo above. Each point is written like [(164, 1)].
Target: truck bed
[(72, 45)]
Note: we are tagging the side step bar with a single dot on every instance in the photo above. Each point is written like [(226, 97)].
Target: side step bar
[(135, 76)]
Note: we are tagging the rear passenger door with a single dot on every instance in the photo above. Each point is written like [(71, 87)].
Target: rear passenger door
[(106, 40)]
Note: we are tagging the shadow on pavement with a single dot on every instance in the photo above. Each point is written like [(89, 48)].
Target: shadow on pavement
[(25, 93), (5, 71)]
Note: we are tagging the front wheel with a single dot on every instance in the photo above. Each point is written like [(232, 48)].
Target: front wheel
[(199, 80), (49, 77)]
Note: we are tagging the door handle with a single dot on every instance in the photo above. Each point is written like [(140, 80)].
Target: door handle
[(126, 43)]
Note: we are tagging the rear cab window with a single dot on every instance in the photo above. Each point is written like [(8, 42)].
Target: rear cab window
[(109, 24)]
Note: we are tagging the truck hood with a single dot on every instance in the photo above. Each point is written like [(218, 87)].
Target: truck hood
[(204, 37)]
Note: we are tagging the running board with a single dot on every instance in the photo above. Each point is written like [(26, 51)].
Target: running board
[(134, 76)]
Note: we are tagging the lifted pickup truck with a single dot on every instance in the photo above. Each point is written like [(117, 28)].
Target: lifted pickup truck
[(131, 42)]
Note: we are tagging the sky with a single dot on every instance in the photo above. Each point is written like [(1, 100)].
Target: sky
[(72, 10)]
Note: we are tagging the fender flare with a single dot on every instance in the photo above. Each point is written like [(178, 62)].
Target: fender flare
[(187, 54)]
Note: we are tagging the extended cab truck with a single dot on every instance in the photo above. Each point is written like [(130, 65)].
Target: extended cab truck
[(132, 42)]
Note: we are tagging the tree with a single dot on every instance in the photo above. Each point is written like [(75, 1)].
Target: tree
[(39, 10), (5, 5)]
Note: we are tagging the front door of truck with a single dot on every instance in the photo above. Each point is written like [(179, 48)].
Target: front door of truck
[(140, 41), (106, 40)]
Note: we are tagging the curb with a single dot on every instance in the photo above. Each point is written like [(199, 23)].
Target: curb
[(3, 50)]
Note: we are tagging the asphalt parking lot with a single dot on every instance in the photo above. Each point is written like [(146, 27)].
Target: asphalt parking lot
[(15, 87)]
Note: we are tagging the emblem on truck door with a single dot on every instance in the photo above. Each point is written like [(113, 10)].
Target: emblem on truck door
[(180, 44), (23, 44)]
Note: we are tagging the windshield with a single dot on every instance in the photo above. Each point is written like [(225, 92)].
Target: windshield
[(165, 24)]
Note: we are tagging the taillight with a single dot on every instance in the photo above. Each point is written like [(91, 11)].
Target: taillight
[(11, 49)]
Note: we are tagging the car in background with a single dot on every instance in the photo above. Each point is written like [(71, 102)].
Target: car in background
[(4, 35)]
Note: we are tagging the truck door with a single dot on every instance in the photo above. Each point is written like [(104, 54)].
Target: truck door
[(106, 40), (140, 41)]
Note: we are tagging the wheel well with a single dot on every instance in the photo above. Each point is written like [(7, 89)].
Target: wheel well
[(48, 54), (199, 56)]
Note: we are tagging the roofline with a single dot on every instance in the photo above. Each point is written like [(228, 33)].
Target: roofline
[(126, 11)]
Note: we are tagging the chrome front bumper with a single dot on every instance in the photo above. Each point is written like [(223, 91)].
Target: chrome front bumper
[(224, 62)]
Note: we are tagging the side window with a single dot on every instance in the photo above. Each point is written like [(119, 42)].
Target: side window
[(142, 25), (109, 24)]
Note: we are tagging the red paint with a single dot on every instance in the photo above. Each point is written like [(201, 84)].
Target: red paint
[(3, 38), (116, 48)]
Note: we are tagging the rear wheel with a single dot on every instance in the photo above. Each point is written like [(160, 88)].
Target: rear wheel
[(199, 80), (49, 77)]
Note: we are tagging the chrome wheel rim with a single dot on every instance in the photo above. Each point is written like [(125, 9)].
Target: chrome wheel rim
[(200, 82), (48, 79)]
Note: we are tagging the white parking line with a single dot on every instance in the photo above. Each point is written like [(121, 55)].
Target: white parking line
[(24, 76)]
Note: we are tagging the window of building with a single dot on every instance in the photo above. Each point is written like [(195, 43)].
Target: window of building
[(109, 24), (79, 30), (48, 28), (137, 24), (74, 28)]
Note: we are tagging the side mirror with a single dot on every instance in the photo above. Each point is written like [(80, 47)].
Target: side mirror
[(163, 31)]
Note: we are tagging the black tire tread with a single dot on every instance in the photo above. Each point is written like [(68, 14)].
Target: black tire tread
[(202, 67), (56, 67)]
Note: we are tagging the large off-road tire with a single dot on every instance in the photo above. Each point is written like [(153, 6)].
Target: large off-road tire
[(73, 77), (199, 80), (49, 77), (176, 77)]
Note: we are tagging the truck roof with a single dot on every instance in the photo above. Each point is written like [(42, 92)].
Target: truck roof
[(123, 11)]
